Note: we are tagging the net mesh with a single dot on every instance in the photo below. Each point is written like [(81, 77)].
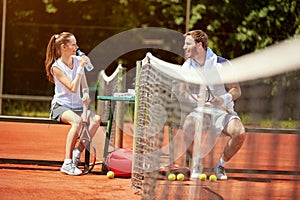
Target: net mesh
[(164, 105), (109, 86)]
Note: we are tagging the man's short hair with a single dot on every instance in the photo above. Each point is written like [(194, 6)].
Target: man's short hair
[(199, 36)]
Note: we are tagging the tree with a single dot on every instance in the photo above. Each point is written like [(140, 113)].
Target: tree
[(234, 28)]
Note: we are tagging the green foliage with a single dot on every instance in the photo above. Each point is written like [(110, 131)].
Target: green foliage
[(197, 13), (49, 7), (252, 120), (235, 28), (268, 23), (26, 108)]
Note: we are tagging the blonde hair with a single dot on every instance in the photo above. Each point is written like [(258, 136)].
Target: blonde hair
[(53, 51)]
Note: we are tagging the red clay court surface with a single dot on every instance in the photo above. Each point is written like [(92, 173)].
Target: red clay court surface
[(267, 167)]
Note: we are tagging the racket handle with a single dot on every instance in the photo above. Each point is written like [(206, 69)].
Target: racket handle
[(84, 114)]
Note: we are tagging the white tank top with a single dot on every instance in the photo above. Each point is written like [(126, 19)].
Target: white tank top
[(63, 95)]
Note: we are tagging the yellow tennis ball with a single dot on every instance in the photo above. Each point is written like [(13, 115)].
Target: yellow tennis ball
[(171, 177), (180, 177), (110, 174), (203, 177), (213, 178)]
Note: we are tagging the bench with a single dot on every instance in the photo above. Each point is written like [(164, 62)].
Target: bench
[(272, 130), (39, 120)]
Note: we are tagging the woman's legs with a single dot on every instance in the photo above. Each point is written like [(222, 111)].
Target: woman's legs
[(69, 117)]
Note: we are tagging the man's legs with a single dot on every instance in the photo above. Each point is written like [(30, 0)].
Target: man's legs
[(236, 131), (189, 132)]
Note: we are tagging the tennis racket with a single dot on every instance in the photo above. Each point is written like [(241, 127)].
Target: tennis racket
[(208, 99), (84, 138), (208, 123), (213, 96)]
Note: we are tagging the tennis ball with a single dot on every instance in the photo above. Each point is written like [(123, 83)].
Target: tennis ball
[(110, 174), (180, 177), (171, 177), (213, 178), (203, 177)]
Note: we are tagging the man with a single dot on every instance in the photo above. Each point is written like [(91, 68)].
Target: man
[(200, 57)]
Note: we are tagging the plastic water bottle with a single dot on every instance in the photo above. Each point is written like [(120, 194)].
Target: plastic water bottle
[(88, 65)]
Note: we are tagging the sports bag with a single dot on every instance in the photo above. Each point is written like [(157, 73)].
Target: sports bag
[(120, 162)]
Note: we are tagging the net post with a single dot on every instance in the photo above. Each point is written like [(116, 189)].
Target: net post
[(100, 88), (196, 156), (135, 119), (120, 107), (171, 146), (98, 92)]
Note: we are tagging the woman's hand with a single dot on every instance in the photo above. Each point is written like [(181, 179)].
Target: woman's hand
[(83, 60)]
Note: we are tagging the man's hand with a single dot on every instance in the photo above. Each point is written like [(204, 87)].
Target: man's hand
[(217, 101)]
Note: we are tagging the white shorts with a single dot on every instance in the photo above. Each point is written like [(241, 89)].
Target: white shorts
[(218, 118)]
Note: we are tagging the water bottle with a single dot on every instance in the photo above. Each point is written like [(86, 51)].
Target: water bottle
[(88, 65)]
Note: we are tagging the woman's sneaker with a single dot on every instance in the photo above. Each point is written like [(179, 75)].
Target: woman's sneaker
[(70, 169), (76, 156)]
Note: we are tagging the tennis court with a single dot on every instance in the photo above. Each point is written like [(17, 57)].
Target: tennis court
[(265, 168)]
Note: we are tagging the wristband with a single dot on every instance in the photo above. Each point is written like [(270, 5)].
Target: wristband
[(79, 70), (227, 98)]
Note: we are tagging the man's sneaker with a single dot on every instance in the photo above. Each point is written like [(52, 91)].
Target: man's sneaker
[(220, 173), (70, 169), (196, 170), (76, 156)]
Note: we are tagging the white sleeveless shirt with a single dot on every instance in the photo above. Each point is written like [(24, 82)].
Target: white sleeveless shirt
[(63, 95)]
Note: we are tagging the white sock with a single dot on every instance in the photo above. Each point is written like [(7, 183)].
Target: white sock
[(67, 161), (221, 162), (76, 152), (197, 160)]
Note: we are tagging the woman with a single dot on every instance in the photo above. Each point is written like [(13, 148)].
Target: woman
[(66, 71)]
